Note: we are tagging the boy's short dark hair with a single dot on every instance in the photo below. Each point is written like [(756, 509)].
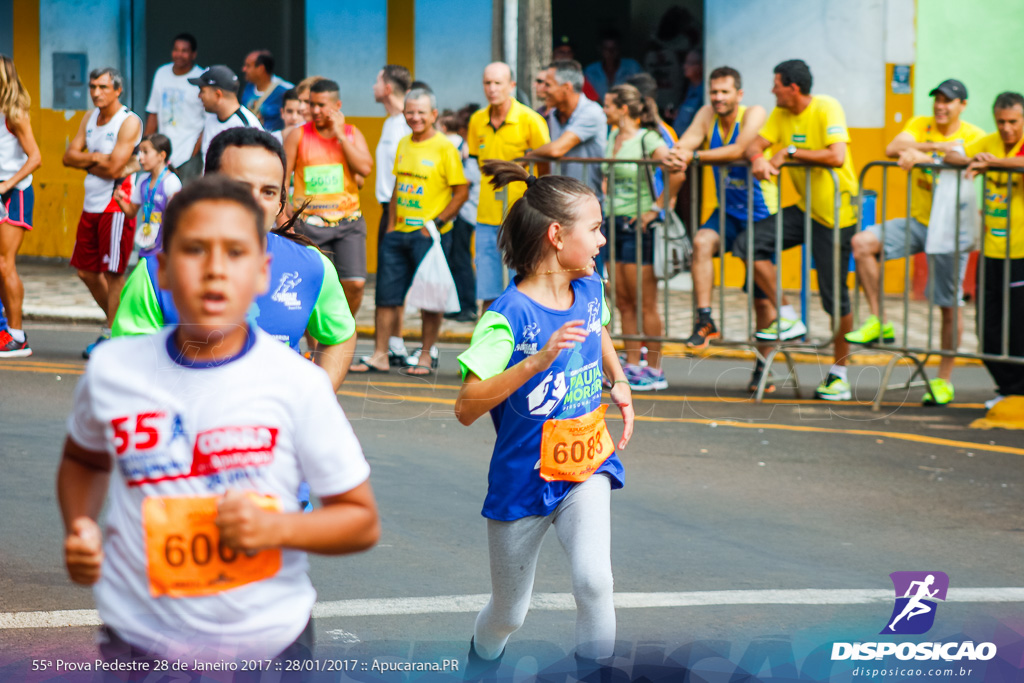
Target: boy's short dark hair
[(211, 188), (290, 94), (795, 71)]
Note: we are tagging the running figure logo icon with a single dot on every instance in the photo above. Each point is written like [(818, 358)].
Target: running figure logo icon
[(916, 593)]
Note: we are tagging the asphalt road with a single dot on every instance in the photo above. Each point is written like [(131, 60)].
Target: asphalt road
[(817, 501)]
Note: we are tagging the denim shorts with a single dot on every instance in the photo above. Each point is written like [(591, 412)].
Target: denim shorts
[(400, 256), (489, 279), (625, 241)]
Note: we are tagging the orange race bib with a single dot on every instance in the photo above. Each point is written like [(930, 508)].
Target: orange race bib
[(185, 553), (572, 450)]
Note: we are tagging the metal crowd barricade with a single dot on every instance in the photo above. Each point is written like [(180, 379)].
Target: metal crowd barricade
[(748, 341), (919, 355)]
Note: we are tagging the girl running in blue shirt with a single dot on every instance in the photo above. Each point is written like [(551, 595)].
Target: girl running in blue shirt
[(536, 363)]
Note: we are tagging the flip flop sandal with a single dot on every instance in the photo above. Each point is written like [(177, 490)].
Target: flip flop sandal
[(424, 371), (370, 368), (413, 359)]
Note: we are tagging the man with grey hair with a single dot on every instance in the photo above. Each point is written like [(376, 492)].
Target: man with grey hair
[(430, 188), (102, 147), (578, 125)]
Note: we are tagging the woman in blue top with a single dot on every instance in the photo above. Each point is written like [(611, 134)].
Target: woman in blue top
[(536, 363)]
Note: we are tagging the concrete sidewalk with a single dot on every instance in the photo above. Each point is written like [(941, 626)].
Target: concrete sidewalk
[(53, 293)]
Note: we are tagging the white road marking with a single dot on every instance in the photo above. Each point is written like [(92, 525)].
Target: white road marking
[(453, 604)]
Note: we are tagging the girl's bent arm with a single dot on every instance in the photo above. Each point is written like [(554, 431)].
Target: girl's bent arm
[(477, 396)]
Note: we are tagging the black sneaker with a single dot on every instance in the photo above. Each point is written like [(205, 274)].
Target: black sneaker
[(703, 332), (755, 380), (9, 348)]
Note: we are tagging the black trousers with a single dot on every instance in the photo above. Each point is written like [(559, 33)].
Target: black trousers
[(460, 261), (1009, 377)]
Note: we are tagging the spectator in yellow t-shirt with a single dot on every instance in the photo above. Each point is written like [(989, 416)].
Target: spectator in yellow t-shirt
[(430, 186), (505, 129), (805, 128), (1003, 149), (924, 140)]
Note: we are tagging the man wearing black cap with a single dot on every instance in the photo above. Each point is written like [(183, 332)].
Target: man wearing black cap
[(924, 140), (218, 90)]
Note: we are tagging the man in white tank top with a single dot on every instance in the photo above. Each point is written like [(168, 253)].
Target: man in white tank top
[(102, 146)]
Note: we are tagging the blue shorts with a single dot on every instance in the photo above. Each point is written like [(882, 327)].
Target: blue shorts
[(489, 279), (734, 227), (19, 205), (399, 257)]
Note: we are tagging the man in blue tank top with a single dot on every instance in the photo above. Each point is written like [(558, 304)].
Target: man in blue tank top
[(720, 133)]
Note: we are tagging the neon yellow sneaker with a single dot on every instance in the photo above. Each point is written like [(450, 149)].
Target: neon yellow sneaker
[(871, 330), (834, 388), (940, 392)]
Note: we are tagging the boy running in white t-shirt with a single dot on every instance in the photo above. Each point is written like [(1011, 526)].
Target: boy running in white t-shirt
[(203, 432)]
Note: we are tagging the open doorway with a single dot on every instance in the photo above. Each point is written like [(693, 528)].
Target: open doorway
[(227, 30), (657, 34)]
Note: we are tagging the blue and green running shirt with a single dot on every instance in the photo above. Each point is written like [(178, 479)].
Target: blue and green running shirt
[(514, 328), (304, 295)]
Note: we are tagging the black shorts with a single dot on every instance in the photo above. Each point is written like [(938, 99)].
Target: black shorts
[(822, 237), (344, 243)]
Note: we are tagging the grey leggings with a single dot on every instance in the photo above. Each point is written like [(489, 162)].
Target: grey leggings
[(583, 523)]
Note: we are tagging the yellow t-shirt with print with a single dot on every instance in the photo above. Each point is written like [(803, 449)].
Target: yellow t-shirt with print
[(821, 124), (924, 129), (424, 175), (994, 218), (522, 130)]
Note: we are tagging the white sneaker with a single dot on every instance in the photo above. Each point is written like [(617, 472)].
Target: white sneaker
[(791, 329), (991, 403)]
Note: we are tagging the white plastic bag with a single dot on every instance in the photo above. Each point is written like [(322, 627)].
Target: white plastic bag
[(680, 249), (433, 288), (942, 222)]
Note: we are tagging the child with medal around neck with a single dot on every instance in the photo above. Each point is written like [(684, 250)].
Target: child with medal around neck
[(154, 188), (535, 364)]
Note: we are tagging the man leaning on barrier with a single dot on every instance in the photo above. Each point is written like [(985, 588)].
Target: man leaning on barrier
[(924, 140), (1002, 149), (721, 132), (811, 129)]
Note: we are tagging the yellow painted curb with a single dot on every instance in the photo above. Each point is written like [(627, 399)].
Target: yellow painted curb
[(1007, 414), (678, 350)]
